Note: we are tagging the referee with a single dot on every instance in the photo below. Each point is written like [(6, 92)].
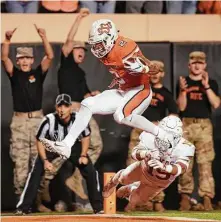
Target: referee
[(55, 126)]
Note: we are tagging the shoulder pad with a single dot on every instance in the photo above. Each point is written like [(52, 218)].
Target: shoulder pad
[(147, 139), (184, 148)]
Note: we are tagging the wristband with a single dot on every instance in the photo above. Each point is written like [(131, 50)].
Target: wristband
[(179, 169), (168, 168), (45, 159), (207, 88), (84, 156)]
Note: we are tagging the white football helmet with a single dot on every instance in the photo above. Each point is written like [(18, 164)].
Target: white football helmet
[(102, 37), (173, 126)]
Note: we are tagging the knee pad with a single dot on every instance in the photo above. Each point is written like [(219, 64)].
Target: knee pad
[(89, 103), (119, 116)]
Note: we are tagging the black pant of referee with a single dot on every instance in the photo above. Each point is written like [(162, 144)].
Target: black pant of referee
[(34, 178)]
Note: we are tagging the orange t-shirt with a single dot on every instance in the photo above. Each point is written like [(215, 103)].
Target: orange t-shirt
[(124, 48), (65, 6)]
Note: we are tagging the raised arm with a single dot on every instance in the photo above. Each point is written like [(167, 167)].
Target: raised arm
[(182, 97), (46, 61), (8, 65), (68, 45), (211, 95)]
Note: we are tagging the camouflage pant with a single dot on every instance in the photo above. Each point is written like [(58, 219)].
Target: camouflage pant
[(75, 182), (199, 132), (23, 147), (134, 140)]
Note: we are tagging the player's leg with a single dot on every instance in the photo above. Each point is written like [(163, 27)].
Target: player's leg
[(126, 176), (135, 102), (141, 194), (104, 104), (126, 190)]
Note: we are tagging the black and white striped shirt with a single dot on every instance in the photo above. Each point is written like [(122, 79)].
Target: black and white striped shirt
[(54, 129)]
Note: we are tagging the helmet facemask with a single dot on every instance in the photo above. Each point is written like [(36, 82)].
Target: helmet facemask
[(173, 126), (102, 37)]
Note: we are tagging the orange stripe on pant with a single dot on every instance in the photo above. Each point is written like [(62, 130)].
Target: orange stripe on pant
[(136, 100)]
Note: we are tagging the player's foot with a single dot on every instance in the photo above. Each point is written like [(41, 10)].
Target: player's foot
[(130, 207), (123, 192), (57, 147), (20, 212), (159, 207), (99, 212), (109, 188)]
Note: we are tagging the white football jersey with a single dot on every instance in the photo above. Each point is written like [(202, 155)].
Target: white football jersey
[(181, 151)]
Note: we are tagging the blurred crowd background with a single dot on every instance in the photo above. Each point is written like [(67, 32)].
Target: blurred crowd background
[(75, 72)]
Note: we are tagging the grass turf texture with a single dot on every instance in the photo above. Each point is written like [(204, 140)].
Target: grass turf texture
[(210, 215)]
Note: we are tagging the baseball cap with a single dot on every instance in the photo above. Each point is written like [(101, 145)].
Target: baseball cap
[(79, 44), (160, 64), (63, 99), (197, 56), (24, 52)]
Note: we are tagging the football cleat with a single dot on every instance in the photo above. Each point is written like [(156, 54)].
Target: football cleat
[(109, 188), (123, 192), (57, 147)]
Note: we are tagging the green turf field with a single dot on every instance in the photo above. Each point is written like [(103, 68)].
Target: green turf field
[(212, 215), (215, 215)]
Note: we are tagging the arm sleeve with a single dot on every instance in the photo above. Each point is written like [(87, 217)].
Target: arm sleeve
[(43, 129), (171, 104), (87, 90), (214, 86), (13, 71), (43, 74)]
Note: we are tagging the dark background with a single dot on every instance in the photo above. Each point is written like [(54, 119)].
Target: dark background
[(115, 137)]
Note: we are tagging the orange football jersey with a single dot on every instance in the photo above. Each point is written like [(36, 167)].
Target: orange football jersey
[(124, 48)]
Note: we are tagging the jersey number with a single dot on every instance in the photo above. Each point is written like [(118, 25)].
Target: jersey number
[(122, 43), (161, 174)]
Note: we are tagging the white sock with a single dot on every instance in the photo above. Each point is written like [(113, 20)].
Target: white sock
[(141, 122), (82, 119)]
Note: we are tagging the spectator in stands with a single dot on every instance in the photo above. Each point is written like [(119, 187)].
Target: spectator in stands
[(198, 94), (209, 7), (71, 77), (58, 6), (55, 126), (181, 7), (99, 6), (27, 90), (149, 7), (22, 6), (162, 103)]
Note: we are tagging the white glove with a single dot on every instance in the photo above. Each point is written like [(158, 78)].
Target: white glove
[(155, 154), (156, 164), (135, 66)]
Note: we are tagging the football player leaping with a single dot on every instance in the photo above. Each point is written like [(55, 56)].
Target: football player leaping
[(156, 167), (130, 70)]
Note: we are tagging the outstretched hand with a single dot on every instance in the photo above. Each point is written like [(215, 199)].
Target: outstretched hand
[(41, 32), (84, 12), (9, 34)]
